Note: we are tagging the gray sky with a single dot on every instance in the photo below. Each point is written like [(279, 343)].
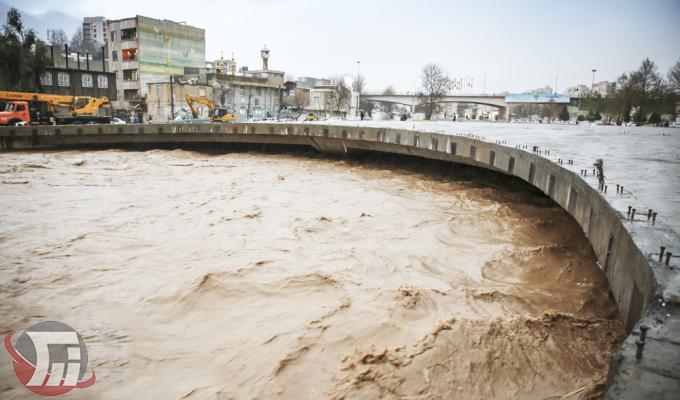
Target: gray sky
[(517, 45)]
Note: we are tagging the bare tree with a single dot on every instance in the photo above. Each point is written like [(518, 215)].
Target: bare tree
[(674, 77), (435, 85), (388, 107), (339, 95), (359, 83), (300, 100), (77, 40), (57, 38)]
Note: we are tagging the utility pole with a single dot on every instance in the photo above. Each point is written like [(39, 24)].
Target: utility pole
[(358, 91), (172, 100)]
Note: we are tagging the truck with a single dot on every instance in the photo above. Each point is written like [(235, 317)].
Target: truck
[(22, 108), (215, 113)]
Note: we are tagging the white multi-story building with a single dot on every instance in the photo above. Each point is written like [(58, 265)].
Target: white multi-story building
[(94, 31), (604, 88), (578, 91)]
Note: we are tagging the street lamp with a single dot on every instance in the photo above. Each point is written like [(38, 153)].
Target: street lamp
[(592, 84)]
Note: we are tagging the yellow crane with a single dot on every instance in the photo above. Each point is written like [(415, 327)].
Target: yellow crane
[(216, 114), (82, 109)]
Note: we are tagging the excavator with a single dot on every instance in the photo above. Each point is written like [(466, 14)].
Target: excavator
[(216, 114), (23, 108)]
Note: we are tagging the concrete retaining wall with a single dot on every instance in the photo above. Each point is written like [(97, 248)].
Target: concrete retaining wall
[(630, 277)]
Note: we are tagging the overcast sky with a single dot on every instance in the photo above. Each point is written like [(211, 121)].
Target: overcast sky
[(516, 45)]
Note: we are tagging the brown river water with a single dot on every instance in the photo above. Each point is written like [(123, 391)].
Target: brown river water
[(243, 275)]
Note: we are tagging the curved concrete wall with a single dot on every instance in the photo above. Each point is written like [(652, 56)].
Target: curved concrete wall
[(630, 277)]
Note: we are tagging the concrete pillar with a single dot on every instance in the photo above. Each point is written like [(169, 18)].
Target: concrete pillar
[(503, 114)]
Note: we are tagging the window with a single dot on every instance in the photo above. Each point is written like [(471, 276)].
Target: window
[(128, 34), (129, 54), (511, 165), (21, 107), (113, 36), (532, 172), (131, 94), (46, 79), (473, 152), (86, 81), (492, 158), (452, 150), (114, 55), (63, 79), (103, 81), (201, 92), (259, 91), (130, 75)]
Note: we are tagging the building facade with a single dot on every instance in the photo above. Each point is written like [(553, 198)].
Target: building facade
[(164, 103), (78, 82), (144, 50), (251, 94), (95, 31), (578, 91), (604, 88)]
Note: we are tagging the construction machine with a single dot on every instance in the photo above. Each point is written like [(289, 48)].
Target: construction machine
[(215, 113), (23, 108)]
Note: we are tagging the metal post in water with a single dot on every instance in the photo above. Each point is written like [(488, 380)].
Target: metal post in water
[(640, 346), (643, 332), (668, 258), (663, 248)]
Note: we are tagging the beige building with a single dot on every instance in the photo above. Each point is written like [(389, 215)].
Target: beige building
[(250, 94), (604, 88), (164, 103), (325, 98)]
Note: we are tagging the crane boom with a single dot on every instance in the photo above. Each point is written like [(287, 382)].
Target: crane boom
[(82, 109), (216, 114)]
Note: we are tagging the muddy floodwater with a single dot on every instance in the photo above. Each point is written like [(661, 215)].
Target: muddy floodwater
[(243, 276)]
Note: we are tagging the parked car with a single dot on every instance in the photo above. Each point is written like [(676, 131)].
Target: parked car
[(117, 121)]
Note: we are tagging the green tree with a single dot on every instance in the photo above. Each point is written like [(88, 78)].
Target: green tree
[(564, 114), (23, 57), (674, 78), (647, 86), (655, 118)]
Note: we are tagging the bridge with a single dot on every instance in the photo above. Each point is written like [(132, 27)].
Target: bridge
[(623, 245), (498, 101)]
